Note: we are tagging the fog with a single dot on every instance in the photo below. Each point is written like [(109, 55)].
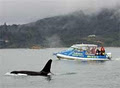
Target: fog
[(25, 11), (54, 41)]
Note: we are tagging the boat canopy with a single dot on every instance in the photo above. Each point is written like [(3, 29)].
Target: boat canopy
[(83, 46), (90, 48)]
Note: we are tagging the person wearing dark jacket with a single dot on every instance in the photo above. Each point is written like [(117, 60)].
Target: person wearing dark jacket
[(97, 52)]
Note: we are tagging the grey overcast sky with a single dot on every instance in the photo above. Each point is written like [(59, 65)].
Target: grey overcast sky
[(25, 11)]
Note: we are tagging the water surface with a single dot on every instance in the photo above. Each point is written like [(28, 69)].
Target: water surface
[(67, 73)]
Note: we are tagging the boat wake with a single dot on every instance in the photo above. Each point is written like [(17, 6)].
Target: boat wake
[(117, 59)]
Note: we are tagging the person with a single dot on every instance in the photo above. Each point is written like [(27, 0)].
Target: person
[(102, 50), (93, 50), (88, 50), (97, 52)]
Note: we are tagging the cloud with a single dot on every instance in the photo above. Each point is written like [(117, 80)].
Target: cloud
[(23, 11)]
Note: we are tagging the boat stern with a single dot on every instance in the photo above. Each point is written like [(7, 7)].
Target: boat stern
[(109, 56)]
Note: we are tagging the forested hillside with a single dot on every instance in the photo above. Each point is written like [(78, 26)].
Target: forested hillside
[(65, 30)]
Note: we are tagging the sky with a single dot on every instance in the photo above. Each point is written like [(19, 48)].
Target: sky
[(25, 11)]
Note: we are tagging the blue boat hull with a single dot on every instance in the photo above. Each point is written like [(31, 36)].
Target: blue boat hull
[(92, 57)]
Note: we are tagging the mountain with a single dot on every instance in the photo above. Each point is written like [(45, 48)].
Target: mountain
[(99, 28)]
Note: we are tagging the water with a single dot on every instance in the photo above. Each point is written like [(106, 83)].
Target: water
[(67, 73)]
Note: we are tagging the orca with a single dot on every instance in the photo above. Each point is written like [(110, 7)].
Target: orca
[(44, 72)]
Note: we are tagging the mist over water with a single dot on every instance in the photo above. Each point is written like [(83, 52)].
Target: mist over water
[(54, 41)]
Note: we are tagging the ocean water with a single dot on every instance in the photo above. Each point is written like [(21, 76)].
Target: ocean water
[(67, 73)]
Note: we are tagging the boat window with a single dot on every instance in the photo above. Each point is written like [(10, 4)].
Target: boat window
[(84, 48), (91, 50), (80, 49), (71, 48)]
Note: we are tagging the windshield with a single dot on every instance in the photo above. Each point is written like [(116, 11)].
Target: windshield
[(71, 48)]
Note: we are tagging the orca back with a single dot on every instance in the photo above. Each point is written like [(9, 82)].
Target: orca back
[(43, 72)]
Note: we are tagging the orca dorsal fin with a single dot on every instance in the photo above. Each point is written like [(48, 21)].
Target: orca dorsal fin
[(46, 68)]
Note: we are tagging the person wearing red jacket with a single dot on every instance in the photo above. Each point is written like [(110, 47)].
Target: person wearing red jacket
[(102, 49)]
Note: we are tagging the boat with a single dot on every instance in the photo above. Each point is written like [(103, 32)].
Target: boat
[(83, 52)]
